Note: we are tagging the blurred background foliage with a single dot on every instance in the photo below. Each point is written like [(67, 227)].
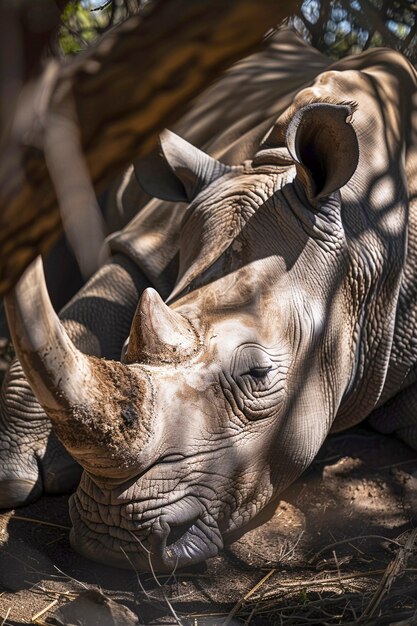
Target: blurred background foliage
[(348, 26), (83, 21), (336, 28)]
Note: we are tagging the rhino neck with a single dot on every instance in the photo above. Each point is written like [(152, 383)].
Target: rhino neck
[(372, 290), (402, 369)]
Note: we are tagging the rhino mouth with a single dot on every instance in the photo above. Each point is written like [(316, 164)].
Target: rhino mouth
[(182, 535), (187, 542)]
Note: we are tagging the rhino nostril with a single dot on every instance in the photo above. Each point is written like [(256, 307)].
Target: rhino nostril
[(178, 531)]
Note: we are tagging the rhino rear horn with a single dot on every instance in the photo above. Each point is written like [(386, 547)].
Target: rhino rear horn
[(177, 170), (324, 146), (158, 333)]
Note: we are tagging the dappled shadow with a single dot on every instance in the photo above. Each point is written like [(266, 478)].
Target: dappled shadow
[(352, 490), (342, 518)]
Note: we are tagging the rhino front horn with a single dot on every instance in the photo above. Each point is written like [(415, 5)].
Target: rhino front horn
[(100, 409), (158, 333)]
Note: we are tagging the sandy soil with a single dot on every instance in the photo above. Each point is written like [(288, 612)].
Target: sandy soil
[(340, 549)]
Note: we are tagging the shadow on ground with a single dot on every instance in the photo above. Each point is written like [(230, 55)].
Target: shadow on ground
[(339, 549)]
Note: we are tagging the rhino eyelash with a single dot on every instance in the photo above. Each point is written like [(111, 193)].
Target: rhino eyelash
[(259, 372)]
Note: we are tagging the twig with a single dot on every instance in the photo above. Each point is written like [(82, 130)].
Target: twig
[(45, 610), (388, 620), (393, 465), (150, 598), (337, 566), (168, 603), (42, 591), (288, 611), (7, 615), (149, 555), (55, 540), (32, 520), (25, 563), (102, 6), (171, 608), (394, 568), (249, 618), (246, 597), (342, 541), (155, 602), (288, 550), (172, 574), (334, 579), (71, 578)]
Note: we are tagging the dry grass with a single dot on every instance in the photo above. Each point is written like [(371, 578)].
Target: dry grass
[(328, 599), (370, 597), (343, 553)]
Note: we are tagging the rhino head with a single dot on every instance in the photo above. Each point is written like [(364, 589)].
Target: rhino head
[(226, 391)]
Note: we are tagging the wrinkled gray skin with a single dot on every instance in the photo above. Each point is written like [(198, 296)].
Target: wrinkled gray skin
[(292, 315), (98, 319)]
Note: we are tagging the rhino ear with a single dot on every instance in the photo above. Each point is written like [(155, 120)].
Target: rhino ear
[(177, 171), (324, 146)]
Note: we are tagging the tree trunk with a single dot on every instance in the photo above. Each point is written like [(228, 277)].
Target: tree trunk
[(82, 122)]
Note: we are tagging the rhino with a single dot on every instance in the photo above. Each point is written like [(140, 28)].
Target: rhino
[(291, 316), (144, 253)]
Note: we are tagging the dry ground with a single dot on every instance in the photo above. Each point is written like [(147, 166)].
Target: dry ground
[(340, 549)]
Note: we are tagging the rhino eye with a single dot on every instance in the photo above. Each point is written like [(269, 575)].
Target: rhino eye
[(259, 372)]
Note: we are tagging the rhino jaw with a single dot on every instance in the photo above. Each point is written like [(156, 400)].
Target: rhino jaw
[(183, 535)]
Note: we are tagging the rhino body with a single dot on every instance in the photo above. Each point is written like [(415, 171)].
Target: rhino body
[(291, 314)]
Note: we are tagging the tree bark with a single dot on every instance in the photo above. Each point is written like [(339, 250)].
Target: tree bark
[(87, 119)]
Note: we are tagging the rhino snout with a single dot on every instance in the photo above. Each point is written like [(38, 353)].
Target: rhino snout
[(142, 536)]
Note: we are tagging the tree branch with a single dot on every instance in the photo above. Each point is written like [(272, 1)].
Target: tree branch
[(368, 16), (120, 95)]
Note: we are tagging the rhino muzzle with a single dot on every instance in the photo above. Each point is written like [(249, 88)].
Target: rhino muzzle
[(178, 535)]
